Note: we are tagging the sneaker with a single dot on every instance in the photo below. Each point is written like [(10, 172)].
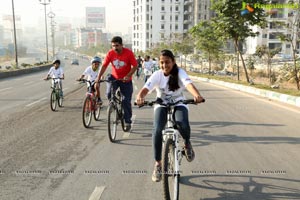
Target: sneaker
[(189, 152), (99, 101), (127, 127), (156, 175)]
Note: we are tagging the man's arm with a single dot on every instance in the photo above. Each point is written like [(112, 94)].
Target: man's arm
[(130, 73)]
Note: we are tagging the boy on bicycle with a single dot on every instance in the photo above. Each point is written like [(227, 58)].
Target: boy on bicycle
[(56, 72), (169, 82), (92, 72)]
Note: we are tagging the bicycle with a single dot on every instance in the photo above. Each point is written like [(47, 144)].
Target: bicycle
[(115, 112), (90, 106), (56, 96), (172, 154)]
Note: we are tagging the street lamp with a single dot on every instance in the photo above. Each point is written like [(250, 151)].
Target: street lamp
[(45, 3)]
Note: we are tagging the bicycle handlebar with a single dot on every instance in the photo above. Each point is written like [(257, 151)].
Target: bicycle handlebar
[(160, 102), (85, 80), (53, 78)]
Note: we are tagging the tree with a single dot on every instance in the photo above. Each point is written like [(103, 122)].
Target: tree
[(207, 40), (231, 23), (293, 38), (181, 44), (268, 54)]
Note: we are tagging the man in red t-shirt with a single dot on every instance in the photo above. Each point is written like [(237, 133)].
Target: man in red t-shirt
[(124, 65)]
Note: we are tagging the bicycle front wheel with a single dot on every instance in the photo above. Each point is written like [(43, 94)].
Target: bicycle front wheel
[(112, 122), (170, 177), (59, 98), (87, 112), (97, 111), (53, 102)]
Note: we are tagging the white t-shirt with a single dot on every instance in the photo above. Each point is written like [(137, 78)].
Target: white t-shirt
[(90, 73), (159, 82), (56, 73), (148, 67)]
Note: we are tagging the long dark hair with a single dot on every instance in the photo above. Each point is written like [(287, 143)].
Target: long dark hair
[(173, 80)]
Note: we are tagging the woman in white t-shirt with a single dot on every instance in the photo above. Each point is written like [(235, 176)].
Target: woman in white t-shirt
[(169, 82)]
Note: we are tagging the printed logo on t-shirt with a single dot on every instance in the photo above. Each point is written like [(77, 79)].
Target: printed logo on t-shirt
[(118, 64)]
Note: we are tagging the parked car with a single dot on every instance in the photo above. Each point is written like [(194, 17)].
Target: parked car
[(75, 62)]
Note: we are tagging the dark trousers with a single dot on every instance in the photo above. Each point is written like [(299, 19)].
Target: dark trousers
[(181, 118)]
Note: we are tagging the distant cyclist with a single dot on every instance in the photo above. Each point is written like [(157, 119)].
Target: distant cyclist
[(147, 67), (139, 61), (92, 72), (169, 82), (56, 72)]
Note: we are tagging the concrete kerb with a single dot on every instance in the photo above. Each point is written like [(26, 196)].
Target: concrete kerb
[(292, 100), (19, 72)]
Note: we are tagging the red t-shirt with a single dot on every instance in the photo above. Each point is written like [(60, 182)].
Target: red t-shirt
[(121, 63)]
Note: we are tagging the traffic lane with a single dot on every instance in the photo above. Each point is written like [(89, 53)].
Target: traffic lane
[(243, 138), (23, 91)]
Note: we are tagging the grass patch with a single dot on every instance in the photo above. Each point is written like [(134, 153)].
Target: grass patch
[(293, 92)]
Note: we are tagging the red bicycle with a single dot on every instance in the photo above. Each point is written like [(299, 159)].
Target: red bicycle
[(90, 106)]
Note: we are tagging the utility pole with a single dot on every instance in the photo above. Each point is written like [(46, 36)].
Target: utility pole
[(45, 9), (51, 15), (15, 34)]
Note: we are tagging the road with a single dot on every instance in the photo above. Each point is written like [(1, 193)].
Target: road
[(246, 147)]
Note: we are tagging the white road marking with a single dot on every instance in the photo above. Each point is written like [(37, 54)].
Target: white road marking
[(65, 89), (1, 90), (96, 195), (36, 102), (127, 134)]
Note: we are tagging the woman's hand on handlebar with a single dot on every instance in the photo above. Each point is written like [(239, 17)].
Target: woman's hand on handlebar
[(199, 99), (139, 101)]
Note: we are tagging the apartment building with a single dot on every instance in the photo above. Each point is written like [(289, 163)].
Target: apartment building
[(156, 21), (269, 35)]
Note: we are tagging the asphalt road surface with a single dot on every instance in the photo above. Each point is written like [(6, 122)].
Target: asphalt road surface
[(246, 147)]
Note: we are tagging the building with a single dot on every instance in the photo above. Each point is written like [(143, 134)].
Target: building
[(269, 35), (156, 21)]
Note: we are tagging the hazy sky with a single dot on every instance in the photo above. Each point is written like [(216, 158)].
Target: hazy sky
[(118, 12)]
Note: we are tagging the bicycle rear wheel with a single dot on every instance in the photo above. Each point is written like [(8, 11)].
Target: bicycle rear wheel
[(112, 122), (53, 102), (97, 111), (87, 112), (170, 178)]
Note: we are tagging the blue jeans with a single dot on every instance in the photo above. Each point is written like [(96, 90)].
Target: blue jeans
[(126, 89), (181, 117)]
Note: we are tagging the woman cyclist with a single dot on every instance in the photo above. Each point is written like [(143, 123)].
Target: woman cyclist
[(169, 82)]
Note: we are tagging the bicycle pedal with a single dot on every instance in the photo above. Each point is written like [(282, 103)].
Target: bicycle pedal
[(183, 152)]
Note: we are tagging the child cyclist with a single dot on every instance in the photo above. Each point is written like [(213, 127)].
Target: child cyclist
[(169, 82), (56, 72), (92, 72)]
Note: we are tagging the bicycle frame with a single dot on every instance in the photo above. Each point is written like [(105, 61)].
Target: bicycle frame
[(171, 132), (91, 94)]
